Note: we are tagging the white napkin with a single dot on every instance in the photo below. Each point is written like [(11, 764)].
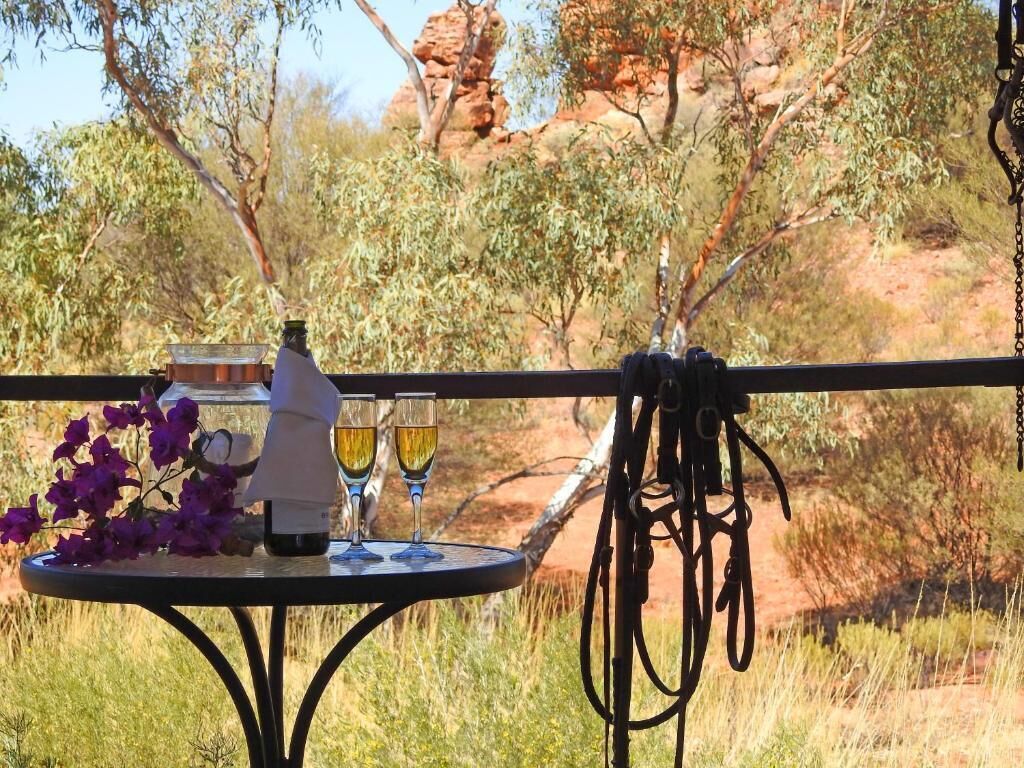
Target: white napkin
[(297, 463)]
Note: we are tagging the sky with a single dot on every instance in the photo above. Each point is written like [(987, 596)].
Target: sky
[(66, 88)]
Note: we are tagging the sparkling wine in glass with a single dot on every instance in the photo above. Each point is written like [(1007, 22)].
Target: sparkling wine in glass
[(415, 445), (355, 448)]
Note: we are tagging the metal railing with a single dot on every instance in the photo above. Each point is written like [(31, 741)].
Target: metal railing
[(845, 377)]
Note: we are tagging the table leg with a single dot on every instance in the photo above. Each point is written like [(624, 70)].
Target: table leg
[(275, 669), (263, 725), (330, 664), (261, 686), (213, 654)]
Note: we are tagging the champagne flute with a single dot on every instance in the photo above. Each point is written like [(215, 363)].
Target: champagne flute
[(355, 448), (415, 444)]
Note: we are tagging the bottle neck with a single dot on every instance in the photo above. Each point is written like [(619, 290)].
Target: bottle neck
[(296, 342)]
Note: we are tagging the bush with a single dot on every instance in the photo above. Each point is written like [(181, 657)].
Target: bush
[(927, 494)]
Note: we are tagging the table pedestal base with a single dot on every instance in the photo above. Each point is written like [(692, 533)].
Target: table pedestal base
[(264, 725)]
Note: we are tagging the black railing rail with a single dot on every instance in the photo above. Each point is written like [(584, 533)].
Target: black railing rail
[(845, 377)]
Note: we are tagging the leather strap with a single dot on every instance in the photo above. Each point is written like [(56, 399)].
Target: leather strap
[(694, 404)]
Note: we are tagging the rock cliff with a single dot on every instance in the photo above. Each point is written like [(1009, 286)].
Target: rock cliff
[(479, 106), (624, 78)]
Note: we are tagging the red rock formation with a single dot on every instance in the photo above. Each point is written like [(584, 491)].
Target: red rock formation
[(479, 105), (620, 65)]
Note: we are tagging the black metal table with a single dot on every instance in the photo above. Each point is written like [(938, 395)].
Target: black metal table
[(159, 582)]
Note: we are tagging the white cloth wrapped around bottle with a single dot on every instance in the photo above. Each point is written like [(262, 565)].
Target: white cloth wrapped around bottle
[(297, 464)]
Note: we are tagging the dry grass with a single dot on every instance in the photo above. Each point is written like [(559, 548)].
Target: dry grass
[(109, 686)]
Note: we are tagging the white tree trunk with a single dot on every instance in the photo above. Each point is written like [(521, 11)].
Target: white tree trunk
[(591, 468), (562, 504)]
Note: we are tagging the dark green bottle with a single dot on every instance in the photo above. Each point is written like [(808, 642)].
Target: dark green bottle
[(298, 529)]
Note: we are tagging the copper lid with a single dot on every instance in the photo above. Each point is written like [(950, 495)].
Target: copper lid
[(219, 373)]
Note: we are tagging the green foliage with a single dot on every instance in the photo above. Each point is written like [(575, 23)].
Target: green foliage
[(950, 638), (575, 232), (800, 428), (57, 278), (405, 285), (970, 207), (801, 301), (860, 150), (13, 733), (923, 70), (18, 181), (787, 748), (115, 170)]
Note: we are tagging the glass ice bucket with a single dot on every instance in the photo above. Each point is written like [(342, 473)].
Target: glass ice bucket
[(228, 383)]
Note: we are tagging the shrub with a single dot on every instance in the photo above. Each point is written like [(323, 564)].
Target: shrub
[(928, 493)]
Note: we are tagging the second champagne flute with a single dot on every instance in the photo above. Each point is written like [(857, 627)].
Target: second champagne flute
[(415, 444), (355, 448)]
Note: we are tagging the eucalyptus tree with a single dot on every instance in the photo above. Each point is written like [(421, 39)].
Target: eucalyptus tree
[(406, 292), (60, 210), (200, 76), (65, 210), (572, 232), (848, 131)]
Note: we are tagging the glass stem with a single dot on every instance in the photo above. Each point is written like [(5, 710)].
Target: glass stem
[(417, 499), (357, 517)]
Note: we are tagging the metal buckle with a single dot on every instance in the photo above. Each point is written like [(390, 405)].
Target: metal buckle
[(708, 434), (671, 385)]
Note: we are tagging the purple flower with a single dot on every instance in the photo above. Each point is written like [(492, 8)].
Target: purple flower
[(132, 537), (64, 451), (213, 493), (204, 519), (167, 444), (94, 545), (193, 534), (223, 476), (73, 550), (184, 416), (98, 491), (196, 496), (77, 432), (75, 436), (123, 416), (62, 495), (105, 455), (151, 410), (20, 523)]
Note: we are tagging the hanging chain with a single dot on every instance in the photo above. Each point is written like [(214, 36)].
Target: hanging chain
[(1008, 110), (1018, 310)]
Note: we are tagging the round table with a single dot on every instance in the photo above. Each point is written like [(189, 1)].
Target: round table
[(159, 582)]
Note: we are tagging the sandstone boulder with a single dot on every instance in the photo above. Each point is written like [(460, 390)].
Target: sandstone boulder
[(479, 106)]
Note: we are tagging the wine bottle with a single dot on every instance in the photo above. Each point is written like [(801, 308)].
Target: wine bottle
[(295, 528)]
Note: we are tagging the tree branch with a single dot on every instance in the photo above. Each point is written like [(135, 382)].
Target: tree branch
[(688, 279), (442, 111), (661, 293), (736, 265), (673, 90), (168, 139), (263, 172), (530, 471), (423, 101), (90, 243)]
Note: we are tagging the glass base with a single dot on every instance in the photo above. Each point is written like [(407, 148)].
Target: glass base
[(355, 552), (417, 552)]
